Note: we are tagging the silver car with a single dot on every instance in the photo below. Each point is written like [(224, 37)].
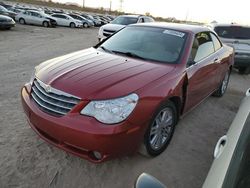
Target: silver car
[(66, 20), (231, 165), (35, 18)]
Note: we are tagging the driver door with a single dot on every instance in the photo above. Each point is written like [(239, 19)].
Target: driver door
[(201, 71)]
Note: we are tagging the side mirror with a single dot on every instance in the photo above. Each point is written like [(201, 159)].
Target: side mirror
[(248, 93), (190, 63), (148, 181)]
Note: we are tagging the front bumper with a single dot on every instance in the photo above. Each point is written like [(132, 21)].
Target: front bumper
[(53, 23), (82, 135), (79, 25), (4, 25)]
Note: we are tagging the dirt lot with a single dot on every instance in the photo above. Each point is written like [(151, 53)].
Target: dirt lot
[(27, 161)]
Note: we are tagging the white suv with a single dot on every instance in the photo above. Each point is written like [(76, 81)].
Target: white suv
[(121, 22), (238, 37)]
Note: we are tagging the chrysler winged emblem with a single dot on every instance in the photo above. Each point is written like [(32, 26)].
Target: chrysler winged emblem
[(47, 88)]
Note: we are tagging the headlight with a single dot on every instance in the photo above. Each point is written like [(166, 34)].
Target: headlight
[(113, 110)]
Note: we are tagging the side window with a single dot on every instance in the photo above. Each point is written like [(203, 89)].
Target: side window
[(56, 16), (60, 16), (141, 20), (202, 47), (217, 44), (147, 19), (35, 14)]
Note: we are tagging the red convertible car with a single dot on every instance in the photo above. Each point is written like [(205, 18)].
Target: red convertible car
[(128, 92)]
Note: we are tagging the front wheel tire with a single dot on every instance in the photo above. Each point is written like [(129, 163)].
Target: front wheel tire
[(45, 24), (22, 21), (85, 25), (160, 131), (72, 25)]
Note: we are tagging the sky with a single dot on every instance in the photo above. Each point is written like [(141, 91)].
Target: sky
[(222, 11)]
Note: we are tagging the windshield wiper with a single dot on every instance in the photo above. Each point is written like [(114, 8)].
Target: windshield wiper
[(129, 54), (105, 49)]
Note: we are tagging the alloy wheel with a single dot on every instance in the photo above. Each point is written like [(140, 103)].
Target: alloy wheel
[(225, 83), (161, 129)]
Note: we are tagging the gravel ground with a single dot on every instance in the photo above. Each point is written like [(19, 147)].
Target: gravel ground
[(27, 161)]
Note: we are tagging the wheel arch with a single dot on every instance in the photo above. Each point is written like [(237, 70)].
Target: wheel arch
[(180, 100), (21, 18), (45, 21)]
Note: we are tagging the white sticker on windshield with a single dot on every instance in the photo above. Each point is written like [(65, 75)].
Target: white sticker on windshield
[(176, 33)]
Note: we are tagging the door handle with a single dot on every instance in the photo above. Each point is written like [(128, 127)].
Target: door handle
[(217, 60), (220, 146)]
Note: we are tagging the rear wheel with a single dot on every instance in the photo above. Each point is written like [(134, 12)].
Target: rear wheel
[(22, 21), (72, 25), (160, 131), (45, 24), (223, 87)]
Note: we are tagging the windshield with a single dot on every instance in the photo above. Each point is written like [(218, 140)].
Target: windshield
[(233, 32), (148, 43), (124, 20), (3, 8)]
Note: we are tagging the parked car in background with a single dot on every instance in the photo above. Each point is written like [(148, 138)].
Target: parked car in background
[(4, 11), (6, 22), (86, 23), (105, 18), (103, 21), (110, 17), (36, 18), (128, 91), (231, 165), (7, 6), (66, 20), (237, 36), (16, 10), (97, 23), (121, 22)]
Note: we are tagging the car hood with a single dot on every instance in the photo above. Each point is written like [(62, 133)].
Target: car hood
[(92, 74), (5, 18), (113, 27), (11, 12)]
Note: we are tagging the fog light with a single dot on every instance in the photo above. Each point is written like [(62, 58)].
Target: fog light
[(97, 155)]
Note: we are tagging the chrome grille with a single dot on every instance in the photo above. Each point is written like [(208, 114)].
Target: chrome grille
[(107, 33), (52, 101)]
